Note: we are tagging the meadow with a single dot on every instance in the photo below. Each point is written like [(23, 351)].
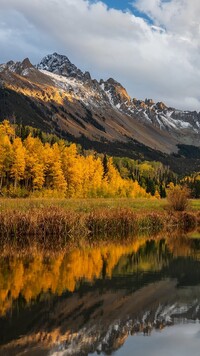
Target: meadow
[(88, 205)]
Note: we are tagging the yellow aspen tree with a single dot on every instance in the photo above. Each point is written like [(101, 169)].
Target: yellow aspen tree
[(54, 176), (7, 129), (88, 170), (114, 179), (93, 175), (146, 169), (5, 157), (77, 175), (34, 172), (98, 176), (58, 180), (157, 195), (18, 161), (38, 175), (72, 165), (136, 191)]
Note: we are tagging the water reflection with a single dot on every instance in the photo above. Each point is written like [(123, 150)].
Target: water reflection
[(181, 340), (90, 300)]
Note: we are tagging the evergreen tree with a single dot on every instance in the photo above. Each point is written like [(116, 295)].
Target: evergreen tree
[(105, 165)]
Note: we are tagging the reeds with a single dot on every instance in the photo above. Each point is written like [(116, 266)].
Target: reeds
[(52, 224), (57, 225), (189, 221), (112, 223)]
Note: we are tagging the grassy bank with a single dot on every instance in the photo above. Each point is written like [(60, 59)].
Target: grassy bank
[(85, 205), (62, 221), (88, 205)]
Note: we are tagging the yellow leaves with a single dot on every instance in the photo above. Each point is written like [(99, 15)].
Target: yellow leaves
[(178, 197), (30, 276), (58, 180), (83, 174), (53, 168), (18, 160), (171, 185), (93, 175), (191, 179), (114, 185), (5, 154), (72, 166), (34, 161), (136, 191), (6, 129), (146, 169), (71, 151), (38, 175), (60, 168), (157, 195)]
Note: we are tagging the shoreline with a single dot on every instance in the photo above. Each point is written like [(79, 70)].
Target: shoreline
[(58, 223)]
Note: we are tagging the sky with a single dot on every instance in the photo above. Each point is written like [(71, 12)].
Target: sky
[(179, 340), (152, 47)]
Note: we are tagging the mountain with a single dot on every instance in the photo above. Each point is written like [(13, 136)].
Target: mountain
[(57, 97), (98, 322)]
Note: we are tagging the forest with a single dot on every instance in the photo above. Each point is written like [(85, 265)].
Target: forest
[(33, 163)]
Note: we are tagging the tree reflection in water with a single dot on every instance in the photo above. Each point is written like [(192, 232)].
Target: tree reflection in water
[(96, 297)]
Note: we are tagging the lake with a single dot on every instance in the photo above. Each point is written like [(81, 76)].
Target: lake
[(136, 298)]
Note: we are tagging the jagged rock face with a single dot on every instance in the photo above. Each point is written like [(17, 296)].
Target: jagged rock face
[(115, 92), (61, 65), (20, 68), (113, 317), (69, 101)]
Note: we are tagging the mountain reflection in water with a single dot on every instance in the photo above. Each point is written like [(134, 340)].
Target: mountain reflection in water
[(92, 299)]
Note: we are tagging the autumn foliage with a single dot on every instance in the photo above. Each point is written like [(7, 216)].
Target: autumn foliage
[(36, 273), (31, 167), (178, 197)]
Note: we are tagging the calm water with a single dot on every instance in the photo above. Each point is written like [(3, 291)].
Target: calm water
[(135, 299)]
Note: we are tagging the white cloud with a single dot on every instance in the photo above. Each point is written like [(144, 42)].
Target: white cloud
[(179, 340), (159, 60)]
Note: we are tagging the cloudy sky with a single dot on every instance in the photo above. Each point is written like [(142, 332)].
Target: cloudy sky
[(151, 46)]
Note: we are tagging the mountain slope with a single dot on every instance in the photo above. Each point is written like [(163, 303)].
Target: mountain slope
[(183, 127), (58, 97)]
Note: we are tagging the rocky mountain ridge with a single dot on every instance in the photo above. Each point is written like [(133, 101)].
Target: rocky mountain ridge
[(148, 111), (111, 321), (57, 97)]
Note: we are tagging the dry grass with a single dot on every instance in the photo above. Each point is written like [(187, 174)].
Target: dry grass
[(178, 198), (112, 223), (53, 226), (59, 221)]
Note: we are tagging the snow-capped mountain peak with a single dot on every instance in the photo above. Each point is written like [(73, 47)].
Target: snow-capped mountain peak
[(61, 65), (58, 94)]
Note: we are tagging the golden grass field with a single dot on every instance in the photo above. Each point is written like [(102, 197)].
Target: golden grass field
[(88, 205)]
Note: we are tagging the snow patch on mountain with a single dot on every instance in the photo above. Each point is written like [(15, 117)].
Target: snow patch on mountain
[(97, 338), (76, 88), (68, 77), (147, 117)]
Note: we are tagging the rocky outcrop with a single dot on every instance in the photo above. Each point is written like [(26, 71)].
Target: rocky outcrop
[(61, 65)]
